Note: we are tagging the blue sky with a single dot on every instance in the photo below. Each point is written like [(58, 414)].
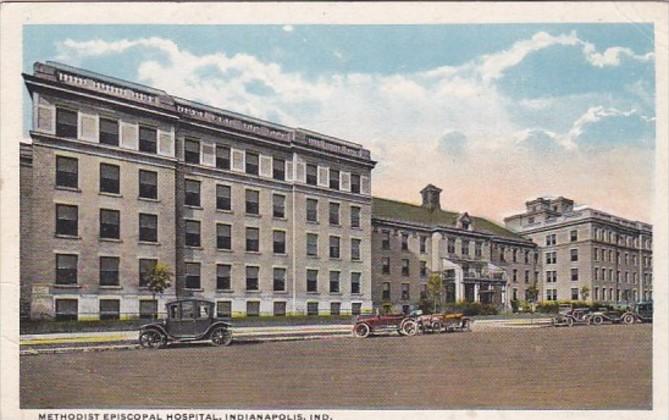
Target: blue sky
[(494, 111)]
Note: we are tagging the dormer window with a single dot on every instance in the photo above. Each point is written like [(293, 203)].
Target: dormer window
[(464, 222)]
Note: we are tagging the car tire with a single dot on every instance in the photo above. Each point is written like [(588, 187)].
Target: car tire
[(409, 328), (152, 339), (221, 336), (597, 320), (437, 326), (467, 325), (570, 322), (629, 319), (361, 330)]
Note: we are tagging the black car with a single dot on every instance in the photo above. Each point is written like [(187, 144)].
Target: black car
[(187, 320)]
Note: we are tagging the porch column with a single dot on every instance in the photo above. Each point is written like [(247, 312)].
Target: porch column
[(503, 288), (477, 297)]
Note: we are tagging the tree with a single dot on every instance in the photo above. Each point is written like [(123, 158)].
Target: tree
[(532, 293), (435, 291), (585, 293), (158, 280)]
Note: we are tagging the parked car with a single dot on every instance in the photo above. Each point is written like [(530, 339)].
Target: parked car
[(640, 312), (187, 320), (366, 325), (604, 314), (442, 322), (570, 316)]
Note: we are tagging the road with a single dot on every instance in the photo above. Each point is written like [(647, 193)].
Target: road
[(541, 368)]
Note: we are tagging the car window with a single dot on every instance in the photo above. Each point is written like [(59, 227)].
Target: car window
[(174, 311), (187, 310), (204, 310)]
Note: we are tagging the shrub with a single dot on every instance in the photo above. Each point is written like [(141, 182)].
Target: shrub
[(514, 306), (547, 307), (471, 309)]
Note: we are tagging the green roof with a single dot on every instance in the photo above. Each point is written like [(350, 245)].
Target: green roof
[(399, 211)]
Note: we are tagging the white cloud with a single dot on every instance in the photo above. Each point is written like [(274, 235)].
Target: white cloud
[(611, 56), (288, 28)]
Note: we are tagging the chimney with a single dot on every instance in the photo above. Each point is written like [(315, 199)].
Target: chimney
[(431, 200)]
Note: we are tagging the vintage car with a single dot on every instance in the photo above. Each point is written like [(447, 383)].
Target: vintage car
[(640, 312), (443, 322), (604, 314), (366, 325), (570, 316), (187, 320)]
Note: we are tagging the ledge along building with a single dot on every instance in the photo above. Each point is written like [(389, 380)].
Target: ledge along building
[(478, 260), (588, 250), (261, 218)]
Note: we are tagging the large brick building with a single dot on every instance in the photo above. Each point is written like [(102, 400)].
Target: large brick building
[(261, 218)]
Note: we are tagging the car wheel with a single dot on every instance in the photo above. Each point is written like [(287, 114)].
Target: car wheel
[(221, 336), (467, 325), (437, 326), (361, 330), (152, 339), (597, 320), (629, 319), (570, 322), (409, 328)]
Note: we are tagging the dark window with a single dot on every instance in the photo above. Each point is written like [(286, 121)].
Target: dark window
[(279, 308), (108, 132), (192, 275), (109, 178), (223, 197), (109, 271), (110, 309), (252, 239), (147, 139), (67, 220), (110, 222), (279, 283), (312, 210), (252, 278), (223, 236), (252, 202), (192, 151), (423, 244), (355, 283), (279, 241), (192, 233), (356, 308), (224, 309), (355, 217), (145, 269), (312, 174), (223, 276), (573, 235), (574, 274), (222, 157), (67, 309), (405, 242), (385, 292), (67, 172), (405, 267), (423, 268), (66, 123), (334, 281), (465, 249), (312, 308), (335, 308), (355, 183), (251, 163), (148, 227), (148, 309), (385, 265), (334, 247), (334, 179), (192, 193), (279, 206), (148, 184), (312, 244), (252, 308), (334, 214), (66, 268), (405, 291), (279, 169), (312, 280), (355, 249), (574, 293), (385, 240), (573, 253)]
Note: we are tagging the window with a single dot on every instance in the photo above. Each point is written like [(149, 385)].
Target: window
[(224, 309), (334, 214), (109, 178), (573, 235), (450, 245), (147, 139), (279, 169), (192, 233), (355, 217), (251, 163), (67, 172), (192, 275), (550, 239), (514, 255), (385, 265), (465, 247), (551, 276), (573, 254), (109, 271), (478, 251), (223, 197), (335, 308), (527, 256), (110, 309), (67, 309), (148, 184), (334, 247), (596, 274), (279, 283), (385, 240), (405, 291), (595, 254), (423, 291), (423, 244), (312, 308), (279, 241), (222, 157), (279, 308), (278, 206), (253, 308), (334, 281), (312, 281), (385, 291), (312, 210), (423, 268), (405, 242), (223, 236), (66, 268), (148, 227), (514, 294), (551, 258), (110, 221), (223, 276), (67, 220), (148, 309), (574, 274), (574, 293), (356, 308), (515, 276), (252, 277), (405, 267), (192, 193), (252, 202), (355, 283), (551, 294), (66, 123), (355, 183), (527, 276), (108, 132), (312, 174), (312, 244), (192, 151), (334, 179), (145, 268), (252, 239), (355, 249)]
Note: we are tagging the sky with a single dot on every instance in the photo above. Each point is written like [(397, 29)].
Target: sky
[(493, 114)]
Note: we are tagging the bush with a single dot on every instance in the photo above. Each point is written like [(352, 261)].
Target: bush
[(514, 306), (471, 309), (547, 307)]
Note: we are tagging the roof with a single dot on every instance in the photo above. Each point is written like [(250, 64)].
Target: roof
[(383, 208)]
